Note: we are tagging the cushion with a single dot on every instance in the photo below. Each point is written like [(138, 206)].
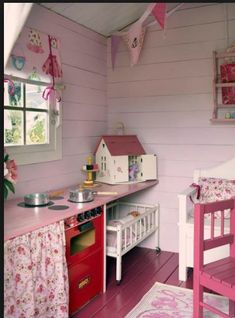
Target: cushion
[(216, 189)]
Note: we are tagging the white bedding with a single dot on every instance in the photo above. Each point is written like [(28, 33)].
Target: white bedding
[(111, 237)]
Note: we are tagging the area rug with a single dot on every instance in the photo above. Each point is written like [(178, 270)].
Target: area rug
[(166, 301)]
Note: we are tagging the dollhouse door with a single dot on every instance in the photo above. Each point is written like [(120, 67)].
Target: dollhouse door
[(120, 171), (147, 167)]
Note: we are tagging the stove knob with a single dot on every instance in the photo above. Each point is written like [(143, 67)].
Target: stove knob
[(87, 215), (98, 210), (80, 217), (93, 212)]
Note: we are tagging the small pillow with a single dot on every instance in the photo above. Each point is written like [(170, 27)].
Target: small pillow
[(216, 189)]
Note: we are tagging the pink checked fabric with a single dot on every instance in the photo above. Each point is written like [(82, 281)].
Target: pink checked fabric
[(35, 274), (216, 189), (228, 75)]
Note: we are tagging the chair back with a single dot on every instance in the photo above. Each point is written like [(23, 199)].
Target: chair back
[(216, 239)]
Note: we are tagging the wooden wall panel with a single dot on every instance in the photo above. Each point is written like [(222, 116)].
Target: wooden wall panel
[(84, 102), (166, 99)]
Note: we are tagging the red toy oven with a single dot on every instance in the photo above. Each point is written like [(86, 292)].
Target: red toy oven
[(84, 254)]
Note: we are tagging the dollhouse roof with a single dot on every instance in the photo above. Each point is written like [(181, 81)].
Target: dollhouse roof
[(122, 145)]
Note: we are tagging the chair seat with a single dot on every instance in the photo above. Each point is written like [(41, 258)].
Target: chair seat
[(220, 275)]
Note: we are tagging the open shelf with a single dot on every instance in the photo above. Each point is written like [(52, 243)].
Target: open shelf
[(223, 120), (222, 111)]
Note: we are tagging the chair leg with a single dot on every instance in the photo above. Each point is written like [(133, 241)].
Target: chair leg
[(197, 298), (231, 308)]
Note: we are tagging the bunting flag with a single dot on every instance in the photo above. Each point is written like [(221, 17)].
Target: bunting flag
[(134, 39), (115, 40), (159, 12)]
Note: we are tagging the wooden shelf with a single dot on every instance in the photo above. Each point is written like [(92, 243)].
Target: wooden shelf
[(232, 84), (223, 120), (226, 106), (224, 55), (218, 89)]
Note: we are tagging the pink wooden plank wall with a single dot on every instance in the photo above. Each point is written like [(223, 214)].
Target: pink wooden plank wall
[(167, 100), (83, 55)]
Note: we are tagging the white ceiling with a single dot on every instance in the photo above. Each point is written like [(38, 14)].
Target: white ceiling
[(104, 18)]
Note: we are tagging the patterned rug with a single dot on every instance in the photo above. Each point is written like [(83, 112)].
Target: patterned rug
[(166, 301)]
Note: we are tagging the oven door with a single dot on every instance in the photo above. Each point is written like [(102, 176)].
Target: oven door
[(84, 239)]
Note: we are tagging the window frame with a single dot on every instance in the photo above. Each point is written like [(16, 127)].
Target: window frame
[(29, 154)]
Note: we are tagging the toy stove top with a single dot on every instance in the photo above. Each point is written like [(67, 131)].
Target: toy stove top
[(51, 204)]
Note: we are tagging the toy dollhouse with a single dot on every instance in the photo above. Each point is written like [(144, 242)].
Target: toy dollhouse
[(123, 159)]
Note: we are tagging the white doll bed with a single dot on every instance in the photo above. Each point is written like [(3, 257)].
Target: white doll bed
[(124, 231), (225, 170)]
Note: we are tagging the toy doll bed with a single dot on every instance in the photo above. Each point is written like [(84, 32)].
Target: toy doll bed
[(221, 177), (128, 224)]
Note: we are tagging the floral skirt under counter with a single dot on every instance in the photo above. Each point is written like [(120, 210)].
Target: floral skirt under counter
[(35, 274)]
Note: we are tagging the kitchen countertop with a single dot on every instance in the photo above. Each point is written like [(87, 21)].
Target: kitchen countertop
[(21, 220)]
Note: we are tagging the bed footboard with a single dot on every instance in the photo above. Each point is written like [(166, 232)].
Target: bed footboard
[(185, 208)]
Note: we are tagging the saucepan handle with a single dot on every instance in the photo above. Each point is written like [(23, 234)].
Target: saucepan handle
[(104, 193)]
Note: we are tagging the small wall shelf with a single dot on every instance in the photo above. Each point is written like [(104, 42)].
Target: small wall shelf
[(222, 113)]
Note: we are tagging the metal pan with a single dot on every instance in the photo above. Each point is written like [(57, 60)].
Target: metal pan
[(36, 199), (85, 195)]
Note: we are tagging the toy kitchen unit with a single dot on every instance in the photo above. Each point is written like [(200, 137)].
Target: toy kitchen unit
[(85, 234)]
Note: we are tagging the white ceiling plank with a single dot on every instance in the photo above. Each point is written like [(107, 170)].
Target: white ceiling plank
[(106, 18)]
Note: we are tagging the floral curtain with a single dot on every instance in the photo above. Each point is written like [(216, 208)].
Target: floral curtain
[(35, 274)]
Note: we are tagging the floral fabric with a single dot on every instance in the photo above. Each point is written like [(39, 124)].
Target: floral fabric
[(216, 189), (36, 275)]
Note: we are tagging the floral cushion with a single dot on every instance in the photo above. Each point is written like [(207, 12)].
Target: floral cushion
[(216, 189)]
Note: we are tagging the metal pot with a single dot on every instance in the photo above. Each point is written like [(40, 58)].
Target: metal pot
[(36, 199), (81, 195)]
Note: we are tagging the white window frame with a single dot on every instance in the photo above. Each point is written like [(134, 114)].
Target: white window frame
[(29, 154)]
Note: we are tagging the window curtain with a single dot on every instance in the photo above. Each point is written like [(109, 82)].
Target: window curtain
[(15, 15), (36, 275)]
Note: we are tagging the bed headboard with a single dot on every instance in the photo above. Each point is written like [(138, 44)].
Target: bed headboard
[(225, 170)]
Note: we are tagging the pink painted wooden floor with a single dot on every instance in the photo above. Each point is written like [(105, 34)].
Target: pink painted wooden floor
[(141, 268)]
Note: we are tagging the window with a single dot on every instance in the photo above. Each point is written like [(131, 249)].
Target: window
[(29, 124)]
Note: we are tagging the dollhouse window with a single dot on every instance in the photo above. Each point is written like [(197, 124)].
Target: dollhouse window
[(103, 163), (27, 123)]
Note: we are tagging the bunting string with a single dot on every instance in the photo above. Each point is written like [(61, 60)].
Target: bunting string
[(134, 37)]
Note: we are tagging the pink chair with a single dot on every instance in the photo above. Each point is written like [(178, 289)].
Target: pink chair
[(217, 276)]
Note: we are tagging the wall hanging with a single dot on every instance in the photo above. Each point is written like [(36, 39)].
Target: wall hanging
[(35, 58)]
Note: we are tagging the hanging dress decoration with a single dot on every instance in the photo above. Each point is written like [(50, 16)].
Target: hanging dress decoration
[(51, 94)]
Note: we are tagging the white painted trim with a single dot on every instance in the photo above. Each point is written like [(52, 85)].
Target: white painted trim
[(24, 155)]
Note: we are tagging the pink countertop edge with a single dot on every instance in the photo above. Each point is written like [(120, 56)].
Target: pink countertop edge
[(19, 220)]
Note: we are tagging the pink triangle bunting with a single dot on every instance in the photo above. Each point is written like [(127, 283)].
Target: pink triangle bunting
[(159, 12), (134, 39), (115, 40)]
